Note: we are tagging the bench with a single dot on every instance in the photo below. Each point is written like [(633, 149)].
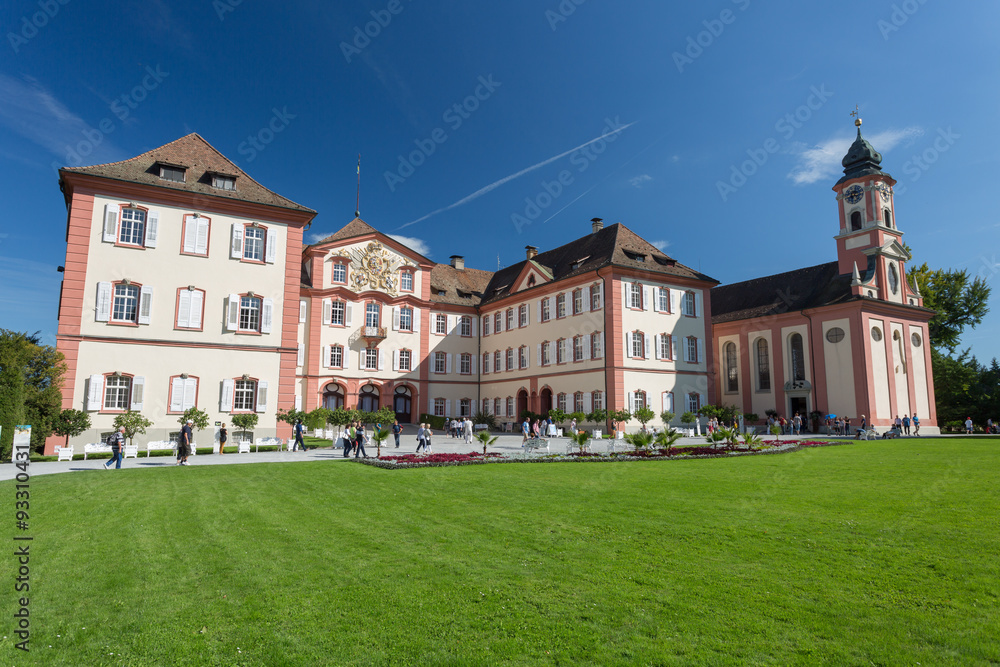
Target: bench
[(615, 443), (159, 446), (64, 453), (585, 447), (867, 434), (531, 444), (95, 448), (272, 442), (130, 452), (243, 447)]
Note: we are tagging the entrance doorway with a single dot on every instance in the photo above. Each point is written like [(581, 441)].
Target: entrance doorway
[(546, 397), (799, 404), (402, 403), (368, 398), (522, 403), (333, 397)]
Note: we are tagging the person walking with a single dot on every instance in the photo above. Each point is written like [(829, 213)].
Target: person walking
[(525, 431), (468, 431), (916, 424), (116, 440), (906, 424), (396, 430), (298, 436), (572, 426), (427, 439), (349, 439), (421, 437), (184, 443), (898, 423), (359, 442), (968, 425), (223, 437), (797, 424)]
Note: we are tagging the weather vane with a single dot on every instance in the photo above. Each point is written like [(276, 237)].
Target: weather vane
[(856, 116)]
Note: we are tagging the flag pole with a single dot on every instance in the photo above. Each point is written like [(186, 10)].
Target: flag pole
[(357, 208)]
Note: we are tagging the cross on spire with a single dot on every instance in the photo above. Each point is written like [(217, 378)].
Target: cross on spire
[(856, 115)]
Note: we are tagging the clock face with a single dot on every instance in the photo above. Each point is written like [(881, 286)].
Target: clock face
[(883, 190), (854, 194)]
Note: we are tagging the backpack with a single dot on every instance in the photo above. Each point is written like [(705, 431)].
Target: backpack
[(112, 440)]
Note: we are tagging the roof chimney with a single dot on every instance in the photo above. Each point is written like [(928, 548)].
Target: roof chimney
[(530, 251), (458, 262), (597, 224)]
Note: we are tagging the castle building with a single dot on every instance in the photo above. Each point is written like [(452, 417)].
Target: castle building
[(187, 284)]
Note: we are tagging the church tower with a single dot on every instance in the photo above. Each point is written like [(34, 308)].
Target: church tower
[(869, 245)]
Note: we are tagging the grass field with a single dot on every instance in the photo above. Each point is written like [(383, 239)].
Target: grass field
[(880, 553)]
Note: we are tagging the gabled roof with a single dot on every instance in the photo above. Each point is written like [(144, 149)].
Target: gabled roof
[(461, 287), (615, 245), (200, 160), (356, 227), (811, 287)]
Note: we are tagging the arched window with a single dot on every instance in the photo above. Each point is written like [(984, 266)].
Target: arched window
[(856, 223), (797, 357), (333, 397), (732, 372), (887, 216), (763, 366)]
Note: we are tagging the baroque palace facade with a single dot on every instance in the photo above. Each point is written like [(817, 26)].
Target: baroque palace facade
[(187, 284)]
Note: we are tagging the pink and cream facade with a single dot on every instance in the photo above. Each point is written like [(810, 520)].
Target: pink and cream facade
[(849, 337)]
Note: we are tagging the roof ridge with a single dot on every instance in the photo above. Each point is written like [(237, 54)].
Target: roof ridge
[(141, 155)]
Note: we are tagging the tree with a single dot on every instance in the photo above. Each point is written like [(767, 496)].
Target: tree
[(689, 417), (245, 422), (618, 416), (379, 436), (30, 382), (665, 440), (198, 417), (71, 423), (666, 417), (292, 416), (485, 418), (644, 415), (598, 416), (957, 302), (485, 438), (580, 439), (558, 416), (134, 423)]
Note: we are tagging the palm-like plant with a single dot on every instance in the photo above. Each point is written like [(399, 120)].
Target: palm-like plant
[(716, 437), (666, 439), (751, 440), (379, 436), (639, 439), (580, 439), (731, 437), (485, 438)]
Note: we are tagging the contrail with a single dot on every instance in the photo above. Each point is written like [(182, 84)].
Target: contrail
[(496, 184)]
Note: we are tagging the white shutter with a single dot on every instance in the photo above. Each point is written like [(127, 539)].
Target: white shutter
[(138, 390), (416, 320), (145, 304), (628, 344), (236, 249), (395, 318), (447, 408), (302, 311), (603, 353), (327, 311), (527, 358), (669, 299), (701, 351), (673, 348), (701, 401), (540, 309), (395, 360), (539, 354), (454, 321), (361, 359), (184, 309), (325, 361), (647, 299), (631, 401), (177, 394), (676, 297), (226, 400), (190, 391), (345, 357), (348, 312), (587, 403), (262, 396), (298, 403), (95, 392), (233, 313), (656, 346), (267, 316), (190, 233), (300, 355), (103, 302), (473, 364), (527, 315), (697, 304), (201, 245), (110, 223), (475, 326), (447, 365), (197, 299), (585, 344), (381, 359), (656, 299), (271, 247), (646, 344), (625, 295), (152, 228)]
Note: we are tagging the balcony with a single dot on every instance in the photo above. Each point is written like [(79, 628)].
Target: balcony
[(373, 334)]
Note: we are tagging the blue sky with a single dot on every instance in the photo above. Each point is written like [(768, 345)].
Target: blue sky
[(480, 124)]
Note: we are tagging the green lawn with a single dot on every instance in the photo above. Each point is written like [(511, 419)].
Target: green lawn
[(880, 553)]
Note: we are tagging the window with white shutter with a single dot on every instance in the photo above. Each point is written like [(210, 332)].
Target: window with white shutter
[(110, 223), (195, 235), (190, 304)]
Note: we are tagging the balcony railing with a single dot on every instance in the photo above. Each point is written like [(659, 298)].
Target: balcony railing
[(373, 333)]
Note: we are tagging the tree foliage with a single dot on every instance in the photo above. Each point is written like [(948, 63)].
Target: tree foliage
[(70, 423), (246, 422), (644, 415), (134, 423), (30, 383), (958, 303), (197, 416)]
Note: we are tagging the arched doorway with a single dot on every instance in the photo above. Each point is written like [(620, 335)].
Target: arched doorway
[(402, 403), (546, 396), (368, 398), (522, 403), (333, 396)]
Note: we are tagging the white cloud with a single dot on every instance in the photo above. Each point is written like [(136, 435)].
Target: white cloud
[(640, 180), (661, 245), (316, 237), (822, 161), (413, 244)]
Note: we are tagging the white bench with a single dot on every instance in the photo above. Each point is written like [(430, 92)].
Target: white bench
[(531, 444), (64, 453), (615, 443), (585, 447), (243, 447), (271, 442), (130, 452), (160, 446), (95, 448)]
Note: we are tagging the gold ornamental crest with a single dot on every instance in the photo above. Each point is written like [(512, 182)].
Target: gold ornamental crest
[(374, 267)]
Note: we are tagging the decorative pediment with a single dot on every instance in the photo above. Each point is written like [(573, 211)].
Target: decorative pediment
[(892, 248), (374, 267), (532, 274)]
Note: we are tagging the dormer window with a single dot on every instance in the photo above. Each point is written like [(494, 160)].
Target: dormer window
[(172, 172), (635, 256), (223, 182)]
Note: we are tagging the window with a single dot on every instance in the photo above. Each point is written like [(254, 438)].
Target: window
[(561, 402), (638, 345), (915, 339), (598, 400), (496, 406), (691, 349), (876, 334), (339, 273), (763, 366), (371, 359), (497, 367), (635, 296), (522, 356), (694, 402), (486, 362), (578, 402), (465, 407), (221, 182), (125, 307), (405, 360), (337, 314), (439, 407), (595, 297), (665, 345), (465, 364), (406, 319), (253, 243), (336, 356), (373, 314), (440, 362), (510, 406), (406, 281), (688, 305), (578, 348), (510, 319), (117, 392), (596, 346), (887, 216), (835, 334), (441, 324), (797, 357), (732, 371), (638, 401), (561, 305), (577, 301), (486, 324), (183, 394), (132, 230), (546, 357), (561, 351), (546, 311), (190, 307), (663, 297), (172, 173), (196, 234), (486, 406), (522, 315), (244, 395), (249, 313), (465, 326), (668, 401), (498, 322), (510, 359), (856, 223)]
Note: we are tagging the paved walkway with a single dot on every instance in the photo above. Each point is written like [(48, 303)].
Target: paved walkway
[(509, 445)]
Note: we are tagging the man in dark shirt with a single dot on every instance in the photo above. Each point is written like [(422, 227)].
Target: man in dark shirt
[(117, 441)]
